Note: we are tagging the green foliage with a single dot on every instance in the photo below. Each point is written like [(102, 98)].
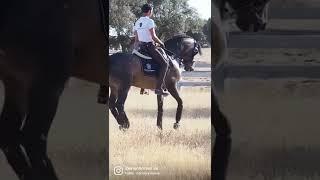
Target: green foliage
[(207, 30), (171, 17), (121, 17)]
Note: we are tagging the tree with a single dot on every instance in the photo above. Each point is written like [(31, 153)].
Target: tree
[(171, 17), (198, 36), (207, 30), (120, 16), (121, 19)]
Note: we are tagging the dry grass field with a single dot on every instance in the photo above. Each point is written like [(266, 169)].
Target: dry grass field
[(181, 154), (184, 154)]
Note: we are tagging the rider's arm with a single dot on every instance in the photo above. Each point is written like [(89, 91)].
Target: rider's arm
[(154, 36)]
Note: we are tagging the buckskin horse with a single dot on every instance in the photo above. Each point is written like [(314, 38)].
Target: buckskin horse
[(126, 70), (251, 15), (42, 44)]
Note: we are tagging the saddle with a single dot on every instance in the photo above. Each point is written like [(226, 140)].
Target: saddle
[(149, 66)]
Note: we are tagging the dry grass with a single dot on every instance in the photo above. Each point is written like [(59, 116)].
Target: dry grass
[(182, 154)]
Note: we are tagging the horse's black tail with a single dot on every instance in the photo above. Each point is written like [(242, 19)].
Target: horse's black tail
[(103, 94), (199, 48)]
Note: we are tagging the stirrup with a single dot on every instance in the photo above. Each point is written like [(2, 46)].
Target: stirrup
[(161, 92), (143, 91)]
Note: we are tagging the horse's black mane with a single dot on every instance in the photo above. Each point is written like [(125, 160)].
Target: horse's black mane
[(179, 36)]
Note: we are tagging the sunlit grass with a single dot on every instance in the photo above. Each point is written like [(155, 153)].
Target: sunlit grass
[(181, 154)]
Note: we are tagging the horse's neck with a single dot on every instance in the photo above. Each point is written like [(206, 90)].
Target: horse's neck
[(174, 63)]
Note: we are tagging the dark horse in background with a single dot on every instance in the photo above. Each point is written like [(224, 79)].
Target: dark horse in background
[(250, 16), (42, 44), (126, 71)]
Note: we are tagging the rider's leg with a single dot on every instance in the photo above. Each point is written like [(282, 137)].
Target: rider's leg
[(156, 55)]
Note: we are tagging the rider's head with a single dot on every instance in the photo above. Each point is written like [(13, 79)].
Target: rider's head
[(147, 10)]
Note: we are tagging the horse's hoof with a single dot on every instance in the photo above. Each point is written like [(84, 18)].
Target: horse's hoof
[(176, 125), (123, 128), (126, 125)]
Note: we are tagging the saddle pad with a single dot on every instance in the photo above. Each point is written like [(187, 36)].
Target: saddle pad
[(144, 56), (149, 67)]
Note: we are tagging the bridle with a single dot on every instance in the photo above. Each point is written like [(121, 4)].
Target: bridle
[(173, 55), (178, 57)]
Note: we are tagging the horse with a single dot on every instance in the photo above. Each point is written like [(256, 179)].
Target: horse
[(126, 71), (42, 44), (251, 15)]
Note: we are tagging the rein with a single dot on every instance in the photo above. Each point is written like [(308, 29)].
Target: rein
[(170, 52), (178, 59)]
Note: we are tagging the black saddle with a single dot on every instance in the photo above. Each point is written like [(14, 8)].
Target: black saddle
[(149, 66)]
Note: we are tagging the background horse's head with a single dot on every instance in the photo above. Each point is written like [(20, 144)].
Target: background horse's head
[(185, 48), (250, 14)]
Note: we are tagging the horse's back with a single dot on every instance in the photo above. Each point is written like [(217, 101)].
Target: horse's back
[(127, 66)]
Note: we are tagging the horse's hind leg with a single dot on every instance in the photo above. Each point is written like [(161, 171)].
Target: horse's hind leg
[(122, 96), (35, 131), (160, 111), (13, 113), (112, 104), (174, 92)]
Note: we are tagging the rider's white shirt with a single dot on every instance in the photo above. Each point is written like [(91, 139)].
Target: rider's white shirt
[(142, 26)]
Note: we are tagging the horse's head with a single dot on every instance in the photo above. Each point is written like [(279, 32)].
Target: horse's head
[(185, 48), (188, 54), (250, 14)]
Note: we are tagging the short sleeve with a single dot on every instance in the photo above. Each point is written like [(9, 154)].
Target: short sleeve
[(151, 24)]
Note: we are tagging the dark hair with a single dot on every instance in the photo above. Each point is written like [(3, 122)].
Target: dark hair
[(146, 8)]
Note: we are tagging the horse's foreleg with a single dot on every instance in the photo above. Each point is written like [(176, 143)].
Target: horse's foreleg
[(122, 117), (160, 111), (44, 99), (11, 118), (174, 92)]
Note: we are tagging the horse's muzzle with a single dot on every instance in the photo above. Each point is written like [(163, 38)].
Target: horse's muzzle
[(188, 68)]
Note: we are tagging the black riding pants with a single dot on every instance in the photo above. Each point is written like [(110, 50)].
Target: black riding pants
[(156, 55)]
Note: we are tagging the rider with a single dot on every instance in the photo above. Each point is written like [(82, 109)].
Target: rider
[(145, 33)]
